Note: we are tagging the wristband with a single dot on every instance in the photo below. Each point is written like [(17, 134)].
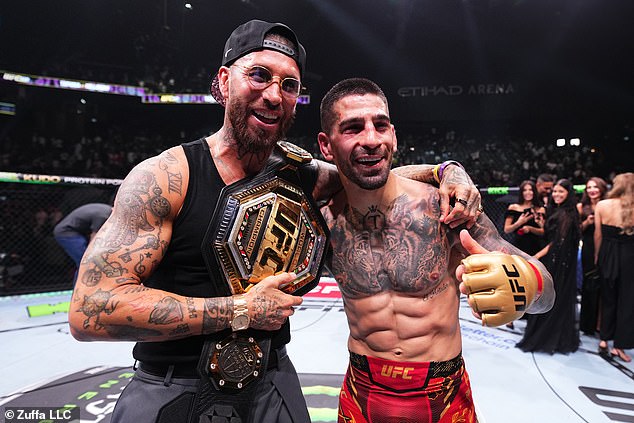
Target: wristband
[(540, 281), (443, 165), (435, 173)]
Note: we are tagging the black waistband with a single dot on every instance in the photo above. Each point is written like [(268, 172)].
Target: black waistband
[(188, 370), (436, 368)]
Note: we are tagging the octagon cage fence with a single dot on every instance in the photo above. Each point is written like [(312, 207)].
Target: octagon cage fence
[(32, 262)]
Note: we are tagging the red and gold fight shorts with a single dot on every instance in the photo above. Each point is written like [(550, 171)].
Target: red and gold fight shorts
[(381, 391)]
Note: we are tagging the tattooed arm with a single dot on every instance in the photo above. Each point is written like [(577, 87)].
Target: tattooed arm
[(110, 302), (328, 183), (456, 183), (487, 235)]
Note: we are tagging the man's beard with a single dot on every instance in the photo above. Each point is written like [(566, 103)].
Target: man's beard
[(253, 140)]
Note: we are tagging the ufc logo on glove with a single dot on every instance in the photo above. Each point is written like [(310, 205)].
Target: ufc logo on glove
[(500, 287), (520, 300)]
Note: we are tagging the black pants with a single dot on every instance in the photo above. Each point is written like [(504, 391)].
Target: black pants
[(279, 398)]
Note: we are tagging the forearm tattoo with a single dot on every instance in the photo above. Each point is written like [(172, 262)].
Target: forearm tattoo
[(487, 235), (456, 176), (422, 173), (218, 313), (166, 311)]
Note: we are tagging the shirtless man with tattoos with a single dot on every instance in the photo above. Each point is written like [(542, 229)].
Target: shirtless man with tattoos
[(144, 277), (398, 269)]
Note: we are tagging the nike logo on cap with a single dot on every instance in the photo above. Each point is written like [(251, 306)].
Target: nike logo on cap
[(227, 52)]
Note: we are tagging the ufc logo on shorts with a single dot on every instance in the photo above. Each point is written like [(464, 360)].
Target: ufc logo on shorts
[(516, 288), (396, 371)]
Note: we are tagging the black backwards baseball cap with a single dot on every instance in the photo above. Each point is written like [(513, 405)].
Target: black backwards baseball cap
[(249, 37)]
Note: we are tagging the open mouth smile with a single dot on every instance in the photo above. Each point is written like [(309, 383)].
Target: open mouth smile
[(369, 161), (266, 117)]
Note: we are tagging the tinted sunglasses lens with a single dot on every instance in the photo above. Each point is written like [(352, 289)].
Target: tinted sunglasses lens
[(291, 86), (259, 76)]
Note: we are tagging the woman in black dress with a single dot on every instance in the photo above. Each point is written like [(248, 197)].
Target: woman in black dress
[(595, 191), (614, 253), (555, 331), (522, 219)]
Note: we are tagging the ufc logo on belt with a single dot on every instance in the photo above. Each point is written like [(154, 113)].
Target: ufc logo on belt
[(279, 242), (516, 288), (396, 371)]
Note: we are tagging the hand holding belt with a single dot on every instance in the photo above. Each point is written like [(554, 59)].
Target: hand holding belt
[(262, 226), (500, 287), (269, 224)]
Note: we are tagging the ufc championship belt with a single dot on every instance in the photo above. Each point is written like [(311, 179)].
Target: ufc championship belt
[(262, 226), (268, 225)]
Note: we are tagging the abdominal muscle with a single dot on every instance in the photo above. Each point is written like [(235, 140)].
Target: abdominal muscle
[(395, 326)]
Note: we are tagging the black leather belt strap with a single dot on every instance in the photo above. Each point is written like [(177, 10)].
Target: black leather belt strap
[(216, 405), (188, 370)]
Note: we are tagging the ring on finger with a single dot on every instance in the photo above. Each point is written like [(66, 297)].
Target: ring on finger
[(462, 201), (480, 208)]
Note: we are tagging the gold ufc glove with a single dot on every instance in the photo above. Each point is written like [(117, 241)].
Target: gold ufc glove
[(500, 287)]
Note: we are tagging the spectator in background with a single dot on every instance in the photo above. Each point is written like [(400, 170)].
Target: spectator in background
[(596, 188), (76, 230), (41, 223), (525, 220), (555, 331), (614, 254), (524, 217), (545, 182)]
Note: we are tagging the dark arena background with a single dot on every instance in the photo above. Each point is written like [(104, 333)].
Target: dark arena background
[(510, 88)]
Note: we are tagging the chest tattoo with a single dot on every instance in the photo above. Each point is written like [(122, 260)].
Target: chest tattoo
[(401, 248)]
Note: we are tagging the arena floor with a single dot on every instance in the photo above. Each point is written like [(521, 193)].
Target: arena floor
[(44, 366)]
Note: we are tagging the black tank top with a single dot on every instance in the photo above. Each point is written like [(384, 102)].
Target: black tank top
[(183, 271)]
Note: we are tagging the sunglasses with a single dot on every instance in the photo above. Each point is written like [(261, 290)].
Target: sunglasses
[(261, 78)]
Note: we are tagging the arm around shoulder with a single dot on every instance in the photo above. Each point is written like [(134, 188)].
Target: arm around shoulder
[(328, 182)]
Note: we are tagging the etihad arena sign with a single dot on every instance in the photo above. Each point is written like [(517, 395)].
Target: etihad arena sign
[(456, 90)]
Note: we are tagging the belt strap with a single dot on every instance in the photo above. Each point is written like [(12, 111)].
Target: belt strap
[(213, 404), (189, 371)]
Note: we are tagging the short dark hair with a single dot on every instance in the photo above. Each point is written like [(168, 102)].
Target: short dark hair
[(546, 177), (345, 88)]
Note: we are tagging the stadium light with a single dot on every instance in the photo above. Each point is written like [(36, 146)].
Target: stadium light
[(575, 142), (561, 142)]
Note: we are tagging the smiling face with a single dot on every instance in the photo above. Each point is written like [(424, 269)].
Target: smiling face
[(544, 188), (258, 117), (559, 194), (527, 193), (362, 140), (593, 190)]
